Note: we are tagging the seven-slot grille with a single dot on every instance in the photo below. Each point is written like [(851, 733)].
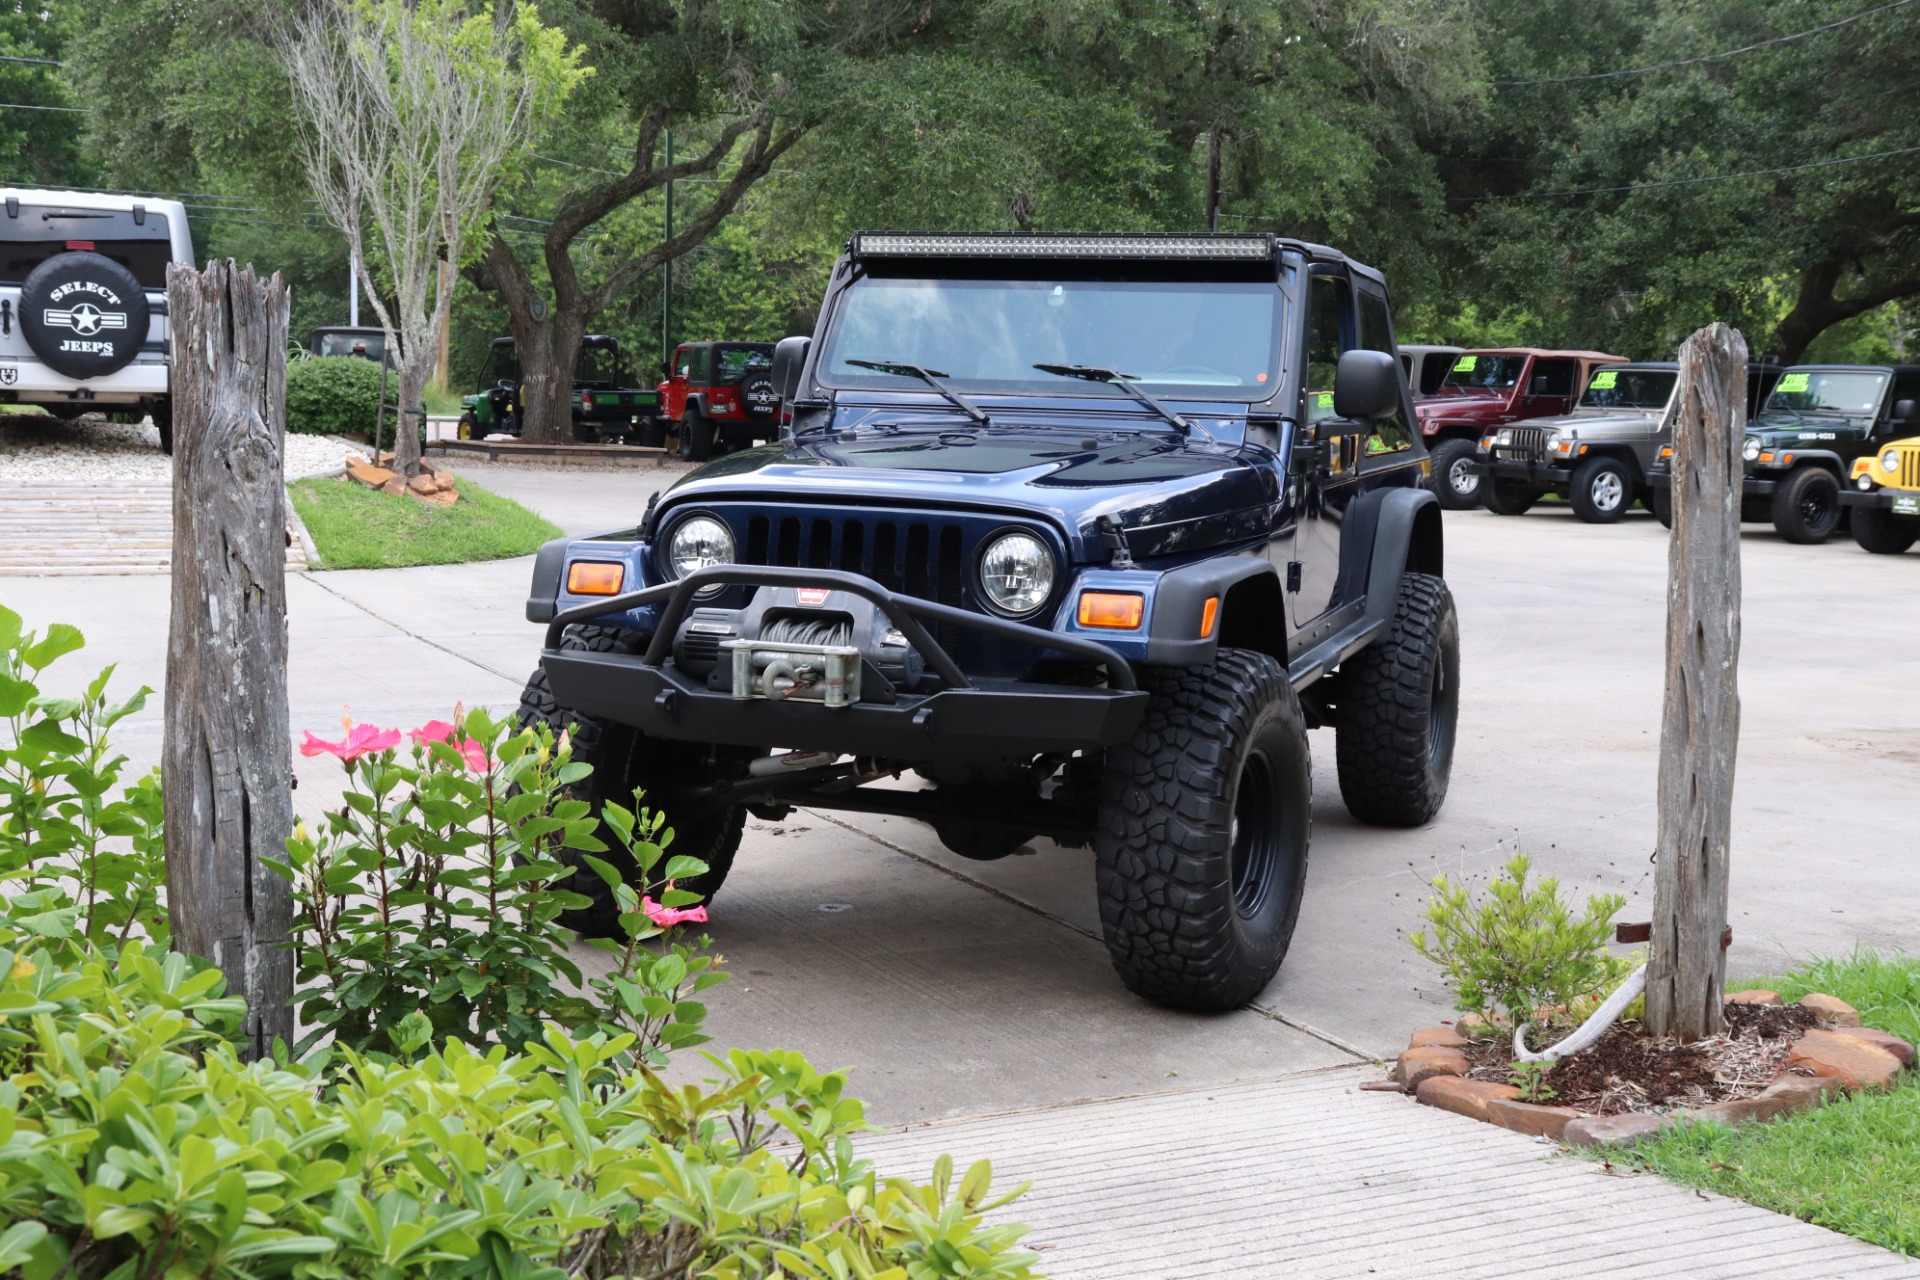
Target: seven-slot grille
[(1909, 474), (1528, 444)]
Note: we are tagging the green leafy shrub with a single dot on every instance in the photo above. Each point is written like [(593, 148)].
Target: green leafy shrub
[(67, 820), (333, 395), (134, 1143), (1519, 948), (427, 904)]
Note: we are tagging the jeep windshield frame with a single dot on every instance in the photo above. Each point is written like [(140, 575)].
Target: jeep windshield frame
[(1815, 388), (1484, 373), (1191, 330), (1649, 390)]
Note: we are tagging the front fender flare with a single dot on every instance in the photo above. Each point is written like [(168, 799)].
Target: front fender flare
[(1250, 600)]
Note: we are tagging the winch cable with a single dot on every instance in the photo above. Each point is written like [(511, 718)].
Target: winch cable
[(816, 631)]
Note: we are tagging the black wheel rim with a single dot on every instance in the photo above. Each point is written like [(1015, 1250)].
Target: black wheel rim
[(1256, 836), (1817, 506)]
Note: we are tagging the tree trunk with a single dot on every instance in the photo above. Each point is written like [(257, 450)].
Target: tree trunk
[(549, 374), (227, 758), (406, 424), (1700, 722)]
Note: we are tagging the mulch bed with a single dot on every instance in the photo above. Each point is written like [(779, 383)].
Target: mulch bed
[(1630, 1071)]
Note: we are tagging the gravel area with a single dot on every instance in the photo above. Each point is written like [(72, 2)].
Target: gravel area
[(36, 449)]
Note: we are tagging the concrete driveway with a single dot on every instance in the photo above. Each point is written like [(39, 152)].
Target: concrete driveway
[(957, 987)]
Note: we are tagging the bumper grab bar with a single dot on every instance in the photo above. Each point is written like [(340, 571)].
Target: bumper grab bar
[(904, 612)]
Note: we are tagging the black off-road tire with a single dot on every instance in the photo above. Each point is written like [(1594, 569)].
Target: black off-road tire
[(1398, 711), (622, 759), (1507, 497), (1880, 531), (696, 436), (1450, 458), (1602, 490), (162, 415), (1201, 843), (1806, 506), (1662, 504)]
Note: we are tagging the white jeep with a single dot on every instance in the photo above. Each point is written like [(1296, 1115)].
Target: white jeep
[(83, 302)]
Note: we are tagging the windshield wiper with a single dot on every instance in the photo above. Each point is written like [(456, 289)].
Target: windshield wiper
[(901, 369), (1088, 373)]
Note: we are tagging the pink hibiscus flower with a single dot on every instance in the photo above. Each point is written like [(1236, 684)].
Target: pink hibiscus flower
[(440, 731), (668, 917), (361, 739)]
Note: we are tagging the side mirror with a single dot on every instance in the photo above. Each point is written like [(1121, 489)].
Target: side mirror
[(1904, 412), (789, 359), (1366, 385), (1538, 387)]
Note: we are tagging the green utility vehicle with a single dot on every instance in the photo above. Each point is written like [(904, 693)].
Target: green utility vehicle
[(605, 410)]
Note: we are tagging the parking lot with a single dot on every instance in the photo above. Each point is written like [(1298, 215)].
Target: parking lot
[(957, 987)]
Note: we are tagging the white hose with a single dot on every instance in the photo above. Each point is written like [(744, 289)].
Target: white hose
[(1590, 1031)]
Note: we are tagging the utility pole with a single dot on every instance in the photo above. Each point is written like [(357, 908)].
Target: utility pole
[(441, 374), (353, 293), (666, 279)]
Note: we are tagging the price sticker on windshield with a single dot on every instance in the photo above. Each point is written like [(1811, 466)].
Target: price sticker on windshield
[(1604, 380), (1793, 382), (1465, 364)]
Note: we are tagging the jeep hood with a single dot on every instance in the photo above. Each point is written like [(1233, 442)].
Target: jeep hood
[(1783, 428), (1599, 421), (1171, 495)]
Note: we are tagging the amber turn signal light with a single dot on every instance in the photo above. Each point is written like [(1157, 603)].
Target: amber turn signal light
[(1209, 612), (594, 578), (1120, 610)]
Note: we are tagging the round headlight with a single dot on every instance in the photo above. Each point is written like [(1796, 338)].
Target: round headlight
[(1016, 572), (1864, 483), (1890, 460), (698, 543), (1751, 449)]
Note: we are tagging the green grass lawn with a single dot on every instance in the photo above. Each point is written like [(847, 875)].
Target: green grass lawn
[(358, 528), (1853, 1165)]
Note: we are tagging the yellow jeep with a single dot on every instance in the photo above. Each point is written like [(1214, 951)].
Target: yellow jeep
[(1885, 497)]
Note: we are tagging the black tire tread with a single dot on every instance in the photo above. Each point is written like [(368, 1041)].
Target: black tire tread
[(1444, 453), (1381, 742), (1507, 497), (1580, 491), (1878, 530), (1786, 506), (1165, 815)]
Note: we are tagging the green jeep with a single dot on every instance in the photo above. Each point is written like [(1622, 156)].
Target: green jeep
[(604, 410)]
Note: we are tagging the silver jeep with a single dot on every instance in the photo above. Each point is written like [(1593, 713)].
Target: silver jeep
[(1597, 456), (83, 302)]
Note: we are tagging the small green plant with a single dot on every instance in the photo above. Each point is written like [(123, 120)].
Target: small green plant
[(1531, 1079), (334, 395), (68, 822), (1519, 948), (426, 907)]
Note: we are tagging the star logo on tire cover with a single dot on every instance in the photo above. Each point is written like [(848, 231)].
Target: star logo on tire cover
[(85, 319)]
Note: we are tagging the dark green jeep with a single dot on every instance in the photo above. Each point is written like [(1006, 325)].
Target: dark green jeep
[(1801, 447)]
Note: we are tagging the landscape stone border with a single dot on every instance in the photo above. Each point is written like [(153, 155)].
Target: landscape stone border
[(1836, 1057)]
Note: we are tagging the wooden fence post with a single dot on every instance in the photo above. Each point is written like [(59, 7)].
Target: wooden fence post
[(228, 757), (1700, 722)]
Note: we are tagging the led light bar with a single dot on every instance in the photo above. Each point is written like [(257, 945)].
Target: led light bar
[(888, 244)]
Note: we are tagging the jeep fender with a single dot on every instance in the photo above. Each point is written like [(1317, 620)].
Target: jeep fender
[(549, 562), (1816, 458), (1385, 534), (1251, 613)]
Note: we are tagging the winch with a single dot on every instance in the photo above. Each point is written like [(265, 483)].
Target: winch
[(801, 645)]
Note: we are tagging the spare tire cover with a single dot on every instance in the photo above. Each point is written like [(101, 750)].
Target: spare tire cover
[(757, 390), (84, 315)]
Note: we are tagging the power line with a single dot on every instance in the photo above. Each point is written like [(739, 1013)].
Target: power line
[(1688, 182), (39, 62), (28, 106), (1705, 57)]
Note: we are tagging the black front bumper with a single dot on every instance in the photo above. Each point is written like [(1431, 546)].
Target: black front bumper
[(1750, 486), (964, 718), (1882, 499), (1539, 475)]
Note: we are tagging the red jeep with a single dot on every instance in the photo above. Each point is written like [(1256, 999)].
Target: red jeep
[(1487, 388), (721, 393)]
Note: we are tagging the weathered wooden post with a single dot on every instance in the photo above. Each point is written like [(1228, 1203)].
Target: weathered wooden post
[(227, 761), (1700, 723)]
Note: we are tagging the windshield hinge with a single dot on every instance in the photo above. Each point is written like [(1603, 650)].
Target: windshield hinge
[(1115, 537)]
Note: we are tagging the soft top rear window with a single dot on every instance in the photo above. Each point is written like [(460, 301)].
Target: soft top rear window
[(38, 232)]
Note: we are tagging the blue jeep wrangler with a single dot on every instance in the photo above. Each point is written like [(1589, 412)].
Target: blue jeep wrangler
[(1083, 534)]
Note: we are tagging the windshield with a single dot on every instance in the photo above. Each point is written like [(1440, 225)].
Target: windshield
[(1630, 389), (1214, 339), (369, 345), (1484, 373), (597, 364), (1851, 391)]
